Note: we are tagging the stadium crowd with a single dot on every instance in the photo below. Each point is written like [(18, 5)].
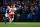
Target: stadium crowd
[(27, 10)]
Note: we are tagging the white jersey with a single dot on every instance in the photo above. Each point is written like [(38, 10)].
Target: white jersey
[(12, 10)]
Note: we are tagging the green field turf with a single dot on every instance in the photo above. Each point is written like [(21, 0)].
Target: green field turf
[(20, 25)]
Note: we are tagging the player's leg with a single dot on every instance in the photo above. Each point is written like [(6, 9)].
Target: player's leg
[(10, 21), (5, 21), (13, 17), (6, 18)]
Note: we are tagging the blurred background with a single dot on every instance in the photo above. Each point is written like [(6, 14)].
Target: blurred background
[(27, 10)]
